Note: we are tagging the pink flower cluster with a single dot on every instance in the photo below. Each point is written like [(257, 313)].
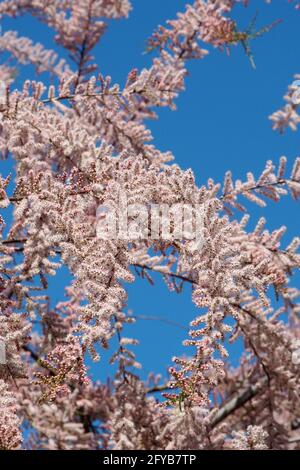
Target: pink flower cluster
[(79, 141)]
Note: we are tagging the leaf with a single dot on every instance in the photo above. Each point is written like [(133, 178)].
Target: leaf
[(248, 52), (244, 37)]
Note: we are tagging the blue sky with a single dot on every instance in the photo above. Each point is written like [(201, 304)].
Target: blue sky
[(221, 123)]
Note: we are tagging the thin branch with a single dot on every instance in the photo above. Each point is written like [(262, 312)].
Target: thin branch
[(87, 191), (280, 182), (159, 388), (293, 441), (237, 402), (77, 95), (174, 275), (161, 319), (84, 46), (39, 361)]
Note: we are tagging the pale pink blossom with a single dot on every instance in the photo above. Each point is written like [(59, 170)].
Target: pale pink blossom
[(82, 143)]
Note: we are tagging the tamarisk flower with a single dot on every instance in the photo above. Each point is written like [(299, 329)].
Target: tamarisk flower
[(82, 144), (288, 116), (253, 439), (10, 435), (26, 52)]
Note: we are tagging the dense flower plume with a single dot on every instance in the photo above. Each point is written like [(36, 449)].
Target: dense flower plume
[(80, 141)]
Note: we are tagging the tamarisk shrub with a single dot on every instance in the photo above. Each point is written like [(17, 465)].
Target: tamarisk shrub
[(80, 142)]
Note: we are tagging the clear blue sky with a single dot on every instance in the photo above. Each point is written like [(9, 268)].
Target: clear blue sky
[(221, 123)]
